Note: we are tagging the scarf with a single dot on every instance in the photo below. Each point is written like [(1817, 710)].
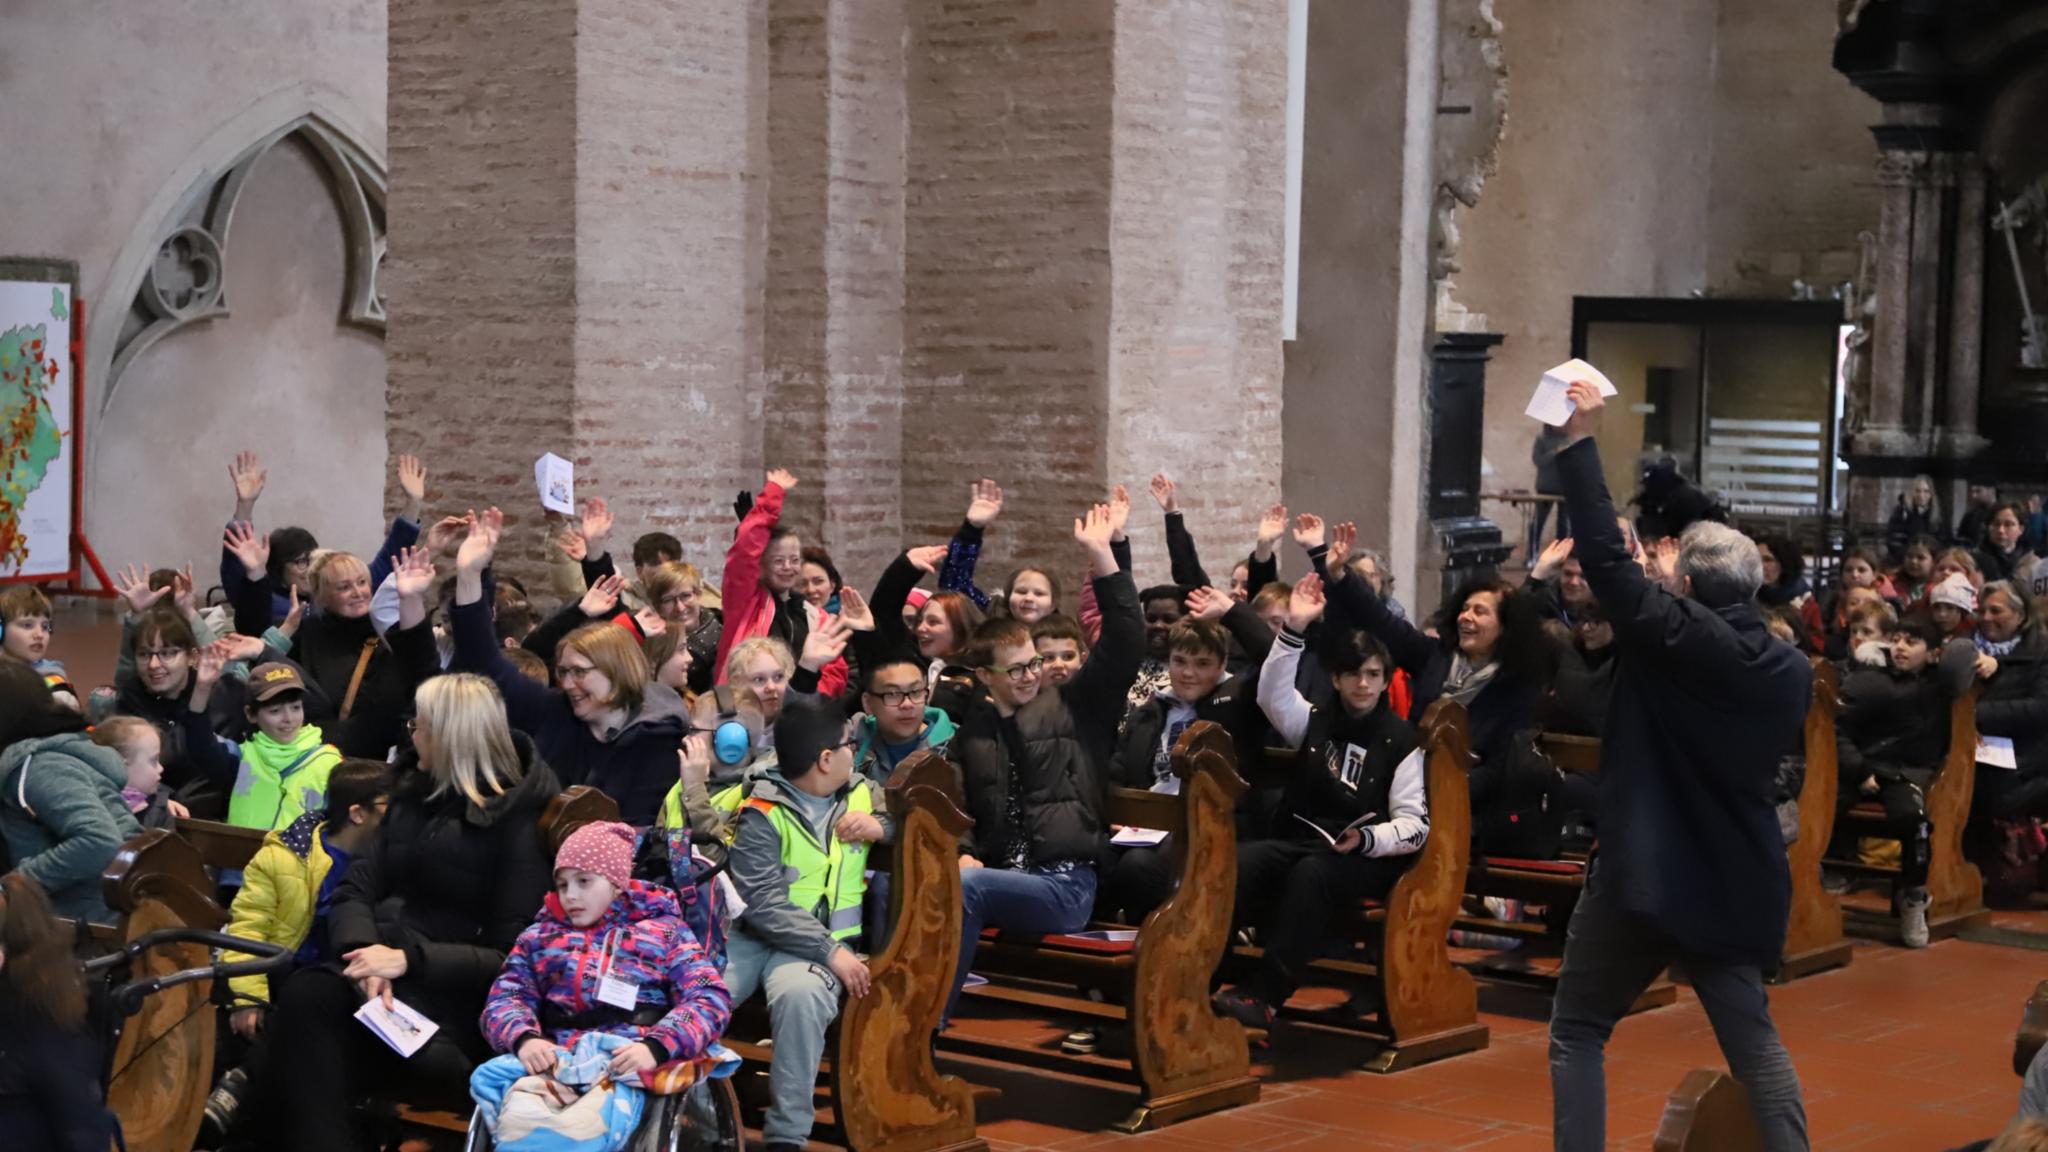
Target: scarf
[(1998, 649), (1465, 682)]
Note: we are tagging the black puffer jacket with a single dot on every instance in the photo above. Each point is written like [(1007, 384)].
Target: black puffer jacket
[(328, 648), (1060, 783), (2015, 704), (452, 885), (182, 774)]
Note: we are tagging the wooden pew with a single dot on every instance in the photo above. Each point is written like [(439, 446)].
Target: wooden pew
[(1813, 932), (1954, 885), (163, 1061), (1428, 1007), (1709, 1112), (222, 847), (1186, 1060), (883, 1092)]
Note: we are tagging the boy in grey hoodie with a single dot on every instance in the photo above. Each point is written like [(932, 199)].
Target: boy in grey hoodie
[(798, 861)]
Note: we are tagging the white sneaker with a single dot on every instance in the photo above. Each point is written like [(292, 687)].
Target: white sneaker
[(1913, 917)]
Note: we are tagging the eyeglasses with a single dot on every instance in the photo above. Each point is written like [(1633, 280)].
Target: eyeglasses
[(1019, 673), (412, 726), (159, 655), (567, 672), (898, 697), (678, 599)]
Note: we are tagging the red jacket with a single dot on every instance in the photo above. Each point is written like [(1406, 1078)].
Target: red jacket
[(749, 607)]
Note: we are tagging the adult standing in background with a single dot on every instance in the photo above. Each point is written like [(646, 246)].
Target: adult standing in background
[(1543, 454), (1691, 867)]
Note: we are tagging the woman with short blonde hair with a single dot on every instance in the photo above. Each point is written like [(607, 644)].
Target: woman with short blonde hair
[(676, 591)]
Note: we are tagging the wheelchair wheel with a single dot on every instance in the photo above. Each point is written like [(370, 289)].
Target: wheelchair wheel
[(479, 1137), (704, 1119)]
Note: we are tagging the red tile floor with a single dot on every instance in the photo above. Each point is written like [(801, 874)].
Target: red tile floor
[(1899, 1052), (1906, 1051)]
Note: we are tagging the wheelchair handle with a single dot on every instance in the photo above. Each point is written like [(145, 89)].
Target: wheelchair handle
[(128, 997)]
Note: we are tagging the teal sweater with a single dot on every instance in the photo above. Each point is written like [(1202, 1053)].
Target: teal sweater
[(63, 817)]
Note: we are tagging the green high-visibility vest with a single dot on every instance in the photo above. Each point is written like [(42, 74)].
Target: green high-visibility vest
[(834, 875), (727, 801)]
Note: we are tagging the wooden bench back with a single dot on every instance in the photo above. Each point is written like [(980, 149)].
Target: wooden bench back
[(1816, 918), (1579, 755), (886, 1091), (224, 847), (1424, 993), (1709, 1112), (571, 809), (1954, 884)]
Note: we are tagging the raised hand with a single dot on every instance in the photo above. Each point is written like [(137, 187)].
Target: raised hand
[(236, 646), (597, 521), (570, 543), (295, 615), (694, 758), (1343, 537), (927, 558), (985, 502), (1554, 555), (853, 608), (1119, 511), (133, 586), (1308, 530), (245, 544), (414, 572), (412, 476), (1208, 603), (1093, 530), (1272, 526), (1305, 603), (650, 621), (824, 643), (781, 478), (1660, 562), (481, 545), (249, 478), (184, 591), (1585, 418), (602, 597), (445, 535), (1165, 493), (212, 659)]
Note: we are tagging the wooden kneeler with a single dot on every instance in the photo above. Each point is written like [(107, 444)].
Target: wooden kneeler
[(1186, 1060), (1813, 932)]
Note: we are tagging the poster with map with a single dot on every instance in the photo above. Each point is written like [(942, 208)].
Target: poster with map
[(35, 428)]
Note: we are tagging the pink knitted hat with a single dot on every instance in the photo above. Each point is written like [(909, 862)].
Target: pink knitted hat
[(605, 848)]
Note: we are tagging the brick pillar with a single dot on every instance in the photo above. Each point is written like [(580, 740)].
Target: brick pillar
[(575, 257), (834, 299)]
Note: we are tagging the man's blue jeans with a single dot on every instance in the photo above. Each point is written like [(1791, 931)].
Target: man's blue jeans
[(1028, 903), (1610, 957)]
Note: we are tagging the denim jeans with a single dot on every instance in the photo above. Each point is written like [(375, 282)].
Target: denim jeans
[(1028, 903), (1610, 957)]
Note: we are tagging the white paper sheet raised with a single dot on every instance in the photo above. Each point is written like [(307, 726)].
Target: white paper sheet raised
[(1551, 405), (399, 1026), (556, 479)]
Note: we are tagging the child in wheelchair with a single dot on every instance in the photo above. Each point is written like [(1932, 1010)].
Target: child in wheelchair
[(607, 990)]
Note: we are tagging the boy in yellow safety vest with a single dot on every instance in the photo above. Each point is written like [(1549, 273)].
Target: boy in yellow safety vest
[(799, 860)]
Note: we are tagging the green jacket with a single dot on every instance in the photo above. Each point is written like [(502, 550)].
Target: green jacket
[(278, 783), (63, 818), (867, 759)]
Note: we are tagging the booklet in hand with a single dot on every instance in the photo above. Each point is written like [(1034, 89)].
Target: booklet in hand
[(400, 1025), (1361, 822), (1551, 404)]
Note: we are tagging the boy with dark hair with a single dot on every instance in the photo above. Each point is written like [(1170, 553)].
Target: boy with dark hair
[(1890, 736), (287, 890), (652, 550), (1062, 644), (798, 861), (1032, 757), (896, 719), (1161, 607)]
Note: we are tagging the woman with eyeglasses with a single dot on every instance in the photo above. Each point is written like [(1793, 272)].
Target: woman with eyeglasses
[(159, 689), (676, 592), (606, 721), (425, 915)]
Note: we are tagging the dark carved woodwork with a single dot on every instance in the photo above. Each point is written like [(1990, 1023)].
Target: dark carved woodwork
[(571, 809), (1813, 932)]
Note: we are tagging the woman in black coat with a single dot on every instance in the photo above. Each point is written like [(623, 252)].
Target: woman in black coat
[(50, 1062), (426, 916), (2012, 661)]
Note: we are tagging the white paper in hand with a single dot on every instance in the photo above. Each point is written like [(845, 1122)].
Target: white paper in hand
[(1551, 405), (556, 479), (1996, 752), (399, 1025), (1137, 837)]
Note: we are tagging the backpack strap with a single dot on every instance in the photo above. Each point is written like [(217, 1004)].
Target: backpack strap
[(355, 682)]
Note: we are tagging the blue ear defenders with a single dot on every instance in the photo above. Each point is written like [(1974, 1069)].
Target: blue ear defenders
[(731, 743)]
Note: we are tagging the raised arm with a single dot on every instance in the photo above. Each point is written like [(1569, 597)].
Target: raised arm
[(1180, 545), (1287, 710), (985, 503), (248, 551), (476, 642), (739, 586), (1262, 567), (1352, 603), (1098, 689)]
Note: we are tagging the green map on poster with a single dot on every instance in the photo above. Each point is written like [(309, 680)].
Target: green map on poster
[(30, 439)]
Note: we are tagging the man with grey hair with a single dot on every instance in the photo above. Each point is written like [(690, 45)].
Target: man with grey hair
[(1691, 865)]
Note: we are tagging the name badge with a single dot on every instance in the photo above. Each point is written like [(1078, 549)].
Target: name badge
[(618, 993)]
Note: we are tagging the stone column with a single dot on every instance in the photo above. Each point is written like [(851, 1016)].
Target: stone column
[(1960, 438), (1354, 373), (575, 255)]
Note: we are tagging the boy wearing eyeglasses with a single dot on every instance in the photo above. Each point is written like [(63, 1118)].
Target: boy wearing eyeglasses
[(897, 718), (1032, 759)]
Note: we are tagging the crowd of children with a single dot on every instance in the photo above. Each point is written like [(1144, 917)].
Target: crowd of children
[(395, 726)]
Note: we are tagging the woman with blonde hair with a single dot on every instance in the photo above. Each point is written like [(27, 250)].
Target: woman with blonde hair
[(676, 591), (606, 721), (357, 682), (425, 915)]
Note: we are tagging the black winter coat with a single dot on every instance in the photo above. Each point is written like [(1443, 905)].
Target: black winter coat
[(1313, 791), (50, 1094), (452, 885), (183, 773), (1234, 704), (328, 648), (2015, 704), (1706, 705), (636, 767)]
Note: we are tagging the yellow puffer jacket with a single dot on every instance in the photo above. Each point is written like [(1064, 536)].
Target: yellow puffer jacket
[(280, 891)]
